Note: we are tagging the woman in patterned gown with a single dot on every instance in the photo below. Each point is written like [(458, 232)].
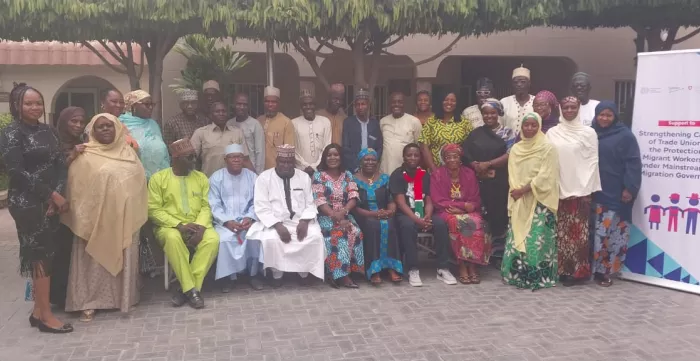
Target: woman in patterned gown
[(530, 256), (335, 195), (36, 167), (375, 214)]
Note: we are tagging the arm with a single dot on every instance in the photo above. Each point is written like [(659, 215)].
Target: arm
[(156, 204), (259, 157), (204, 218), (12, 150), (311, 211), (215, 201), (196, 141), (427, 156), (289, 134), (319, 196), (347, 150), (299, 160), (168, 133), (262, 203), (427, 199), (61, 167), (380, 142), (499, 162), (440, 200), (250, 209), (632, 178), (327, 139)]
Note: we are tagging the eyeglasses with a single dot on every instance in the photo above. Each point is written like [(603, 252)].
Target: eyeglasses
[(148, 105), (483, 93)]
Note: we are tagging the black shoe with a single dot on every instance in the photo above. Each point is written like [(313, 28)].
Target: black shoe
[(256, 283), (226, 285), (194, 299), (178, 298), (33, 321), (306, 281), (276, 282), (66, 328)]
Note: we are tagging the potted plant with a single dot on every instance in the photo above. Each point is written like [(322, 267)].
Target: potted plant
[(5, 119)]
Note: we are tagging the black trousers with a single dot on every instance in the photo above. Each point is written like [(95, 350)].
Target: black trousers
[(408, 234)]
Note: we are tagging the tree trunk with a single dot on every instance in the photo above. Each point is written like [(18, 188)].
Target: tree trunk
[(358, 59)]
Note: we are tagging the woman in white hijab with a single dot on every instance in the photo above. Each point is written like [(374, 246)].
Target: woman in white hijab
[(577, 146)]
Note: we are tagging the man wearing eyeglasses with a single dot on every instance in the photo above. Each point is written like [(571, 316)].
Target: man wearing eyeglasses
[(484, 90)]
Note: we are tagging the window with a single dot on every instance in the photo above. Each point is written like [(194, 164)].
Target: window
[(378, 106), (86, 98), (255, 94), (624, 96)]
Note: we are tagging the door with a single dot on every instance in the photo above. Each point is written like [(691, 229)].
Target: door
[(86, 98)]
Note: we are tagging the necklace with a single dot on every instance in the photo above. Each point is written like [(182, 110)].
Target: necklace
[(370, 179), (455, 190)]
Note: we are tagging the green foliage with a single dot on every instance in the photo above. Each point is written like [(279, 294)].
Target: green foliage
[(5, 120), (206, 61)]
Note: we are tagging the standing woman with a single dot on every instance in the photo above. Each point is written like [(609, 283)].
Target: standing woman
[(620, 177), (374, 213), (547, 106), (444, 127), (423, 106), (335, 195), (36, 167), (145, 131), (112, 102), (486, 151), (530, 257), (455, 193), (577, 148), (109, 204), (70, 126)]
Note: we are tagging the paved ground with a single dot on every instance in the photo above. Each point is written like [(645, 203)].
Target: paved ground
[(490, 321)]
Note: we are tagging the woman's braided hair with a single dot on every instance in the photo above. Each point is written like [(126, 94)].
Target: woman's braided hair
[(17, 99)]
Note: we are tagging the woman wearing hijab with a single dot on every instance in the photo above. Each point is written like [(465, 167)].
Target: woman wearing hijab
[(577, 148), (71, 126), (455, 192), (108, 195), (547, 106), (486, 151), (530, 257), (620, 177), (145, 131)]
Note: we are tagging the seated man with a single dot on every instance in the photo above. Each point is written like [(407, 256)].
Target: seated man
[(410, 187), (178, 206), (231, 200), (287, 228)]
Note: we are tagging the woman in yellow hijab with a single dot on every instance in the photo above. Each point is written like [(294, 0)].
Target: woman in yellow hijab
[(108, 199), (530, 256)]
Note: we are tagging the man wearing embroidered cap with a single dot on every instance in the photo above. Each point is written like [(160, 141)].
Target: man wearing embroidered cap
[(313, 134), (187, 121), (277, 127), (334, 111), (231, 201), (178, 206), (360, 131), (517, 105), (291, 237)]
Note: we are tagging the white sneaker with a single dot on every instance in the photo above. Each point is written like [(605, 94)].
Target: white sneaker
[(414, 278), (444, 275)]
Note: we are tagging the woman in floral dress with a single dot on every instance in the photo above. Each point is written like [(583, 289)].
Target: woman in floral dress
[(335, 195), (530, 256)]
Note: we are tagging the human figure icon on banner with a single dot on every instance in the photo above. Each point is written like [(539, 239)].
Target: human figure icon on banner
[(673, 212), (654, 211), (692, 219)]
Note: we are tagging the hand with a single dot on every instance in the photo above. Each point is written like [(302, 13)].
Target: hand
[(345, 225), (468, 207), (52, 209), (309, 170), (232, 226), (338, 216), (79, 148), (454, 210), (482, 166), (517, 193), (186, 229), (196, 237), (626, 196), (60, 202), (246, 223), (302, 229), (284, 233)]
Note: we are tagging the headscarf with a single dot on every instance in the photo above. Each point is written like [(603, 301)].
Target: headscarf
[(577, 148), (68, 140), (447, 148), (614, 128), (553, 118), (134, 97), (532, 161), (108, 196), (496, 104), (367, 151)]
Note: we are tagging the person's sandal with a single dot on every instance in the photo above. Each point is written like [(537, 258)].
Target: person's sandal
[(465, 280), (474, 279), (87, 316), (605, 282), (395, 277), (375, 280)]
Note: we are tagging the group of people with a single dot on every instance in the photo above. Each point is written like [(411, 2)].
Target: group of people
[(324, 194)]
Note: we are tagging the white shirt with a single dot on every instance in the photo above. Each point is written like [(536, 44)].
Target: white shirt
[(587, 112), (514, 112), (397, 132), (312, 137)]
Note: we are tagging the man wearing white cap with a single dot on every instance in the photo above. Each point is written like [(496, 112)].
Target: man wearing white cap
[(187, 121), (517, 105), (313, 134), (278, 128), (252, 131), (334, 111), (291, 237), (231, 201)]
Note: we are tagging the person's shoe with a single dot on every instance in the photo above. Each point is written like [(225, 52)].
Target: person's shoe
[(414, 278), (226, 285), (446, 276), (194, 299), (306, 281), (66, 328), (178, 298), (276, 282), (256, 283)]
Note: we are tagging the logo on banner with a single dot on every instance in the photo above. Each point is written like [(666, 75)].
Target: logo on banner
[(672, 212), (673, 89), (646, 90)]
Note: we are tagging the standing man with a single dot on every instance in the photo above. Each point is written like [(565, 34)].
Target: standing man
[(313, 134), (277, 127), (334, 111), (184, 124), (360, 131), (178, 206), (581, 89), (252, 131), (231, 201), (517, 105), (291, 237), (484, 89), (398, 130), (210, 141)]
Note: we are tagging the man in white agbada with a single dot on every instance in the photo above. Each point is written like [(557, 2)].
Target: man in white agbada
[(520, 103), (313, 134), (231, 201), (398, 129), (287, 228)]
